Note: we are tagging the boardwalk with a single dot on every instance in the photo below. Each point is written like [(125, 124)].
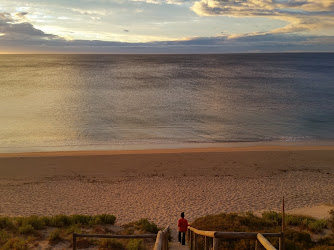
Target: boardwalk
[(175, 246)]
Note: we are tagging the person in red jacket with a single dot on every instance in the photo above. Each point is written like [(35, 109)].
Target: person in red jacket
[(182, 223)]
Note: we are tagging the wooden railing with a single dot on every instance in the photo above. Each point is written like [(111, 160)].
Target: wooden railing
[(267, 245), (161, 242), (141, 236), (216, 235)]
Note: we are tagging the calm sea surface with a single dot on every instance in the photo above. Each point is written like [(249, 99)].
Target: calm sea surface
[(66, 102)]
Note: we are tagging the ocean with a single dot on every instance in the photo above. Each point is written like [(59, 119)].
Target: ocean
[(87, 102)]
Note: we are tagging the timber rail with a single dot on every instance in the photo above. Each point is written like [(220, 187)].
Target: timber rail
[(261, 238), (161, 242), (215, 235)]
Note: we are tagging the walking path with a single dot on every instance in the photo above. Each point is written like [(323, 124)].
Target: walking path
[(175, 246)]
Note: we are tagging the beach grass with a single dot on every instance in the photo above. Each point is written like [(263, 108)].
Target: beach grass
[(303, 222), (300, 232), (55, 236), (30, 231), (143, 226)]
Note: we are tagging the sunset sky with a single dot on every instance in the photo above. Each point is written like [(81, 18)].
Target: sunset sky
[(166, 26)]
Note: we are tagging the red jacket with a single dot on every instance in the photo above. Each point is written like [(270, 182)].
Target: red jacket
[(182, 224)]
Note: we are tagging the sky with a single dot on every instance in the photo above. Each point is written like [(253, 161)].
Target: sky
[(166, 26)]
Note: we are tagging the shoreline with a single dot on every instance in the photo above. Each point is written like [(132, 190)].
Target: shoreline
[(253, 148), (162, 146)]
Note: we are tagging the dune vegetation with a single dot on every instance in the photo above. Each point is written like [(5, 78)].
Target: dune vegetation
[(47, 232), (50, 232), (302, 232)]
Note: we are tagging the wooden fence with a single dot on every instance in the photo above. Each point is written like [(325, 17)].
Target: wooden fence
[(161, 242), (215, 235)]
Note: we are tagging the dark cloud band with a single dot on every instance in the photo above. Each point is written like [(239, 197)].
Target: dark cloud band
[(24, 37)]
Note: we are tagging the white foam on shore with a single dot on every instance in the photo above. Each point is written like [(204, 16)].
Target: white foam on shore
[(162, 145)]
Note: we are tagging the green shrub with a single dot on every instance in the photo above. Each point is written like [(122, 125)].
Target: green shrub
[(331, 220), (6, 223), (81, 219), (233, 223), (317, 226), (136, 244), (57, 221), (328, 241), (36, 222), (64, 220), (271, 216), (26, 229), (147, 226), (15, 243), (299, 220), (4, 236), (303, 222), (306, 222), (95, 221), (298, 236), (111, 244), (107, 219), (55, 236), (270, 222), (73, 229), (250, 220)]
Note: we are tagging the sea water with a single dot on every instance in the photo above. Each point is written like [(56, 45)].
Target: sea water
[(74, 102)]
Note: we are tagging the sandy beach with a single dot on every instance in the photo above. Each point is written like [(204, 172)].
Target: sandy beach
[(159, 184)]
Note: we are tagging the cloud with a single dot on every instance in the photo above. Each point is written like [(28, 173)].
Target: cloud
[(176, 2), (12, 29), (24, 37), (21, 14), (98, 12), (302, 15)]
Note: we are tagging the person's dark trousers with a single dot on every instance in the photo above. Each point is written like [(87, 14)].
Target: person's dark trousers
[(183, 237)]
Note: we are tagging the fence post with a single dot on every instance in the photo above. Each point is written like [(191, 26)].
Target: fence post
[(163, 241), (159, 241), (205, 243), (215, 243), (166, 241), (281, 239), (74, 244), (195, 240), (191, 239), (257, 245)]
